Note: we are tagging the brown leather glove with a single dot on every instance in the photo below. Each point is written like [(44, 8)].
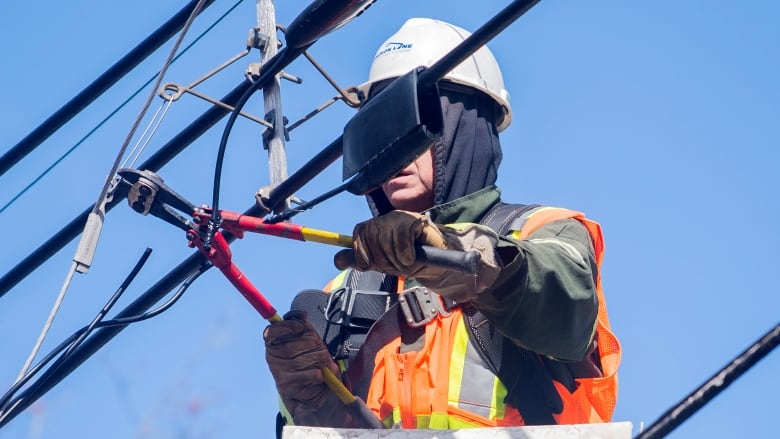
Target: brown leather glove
[(386, 243), (295, 353)]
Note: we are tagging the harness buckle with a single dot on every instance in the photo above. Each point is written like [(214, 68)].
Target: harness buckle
[(421, 305)]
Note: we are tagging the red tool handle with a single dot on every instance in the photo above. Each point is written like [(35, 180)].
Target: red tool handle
[(245, 287), (220, 256)]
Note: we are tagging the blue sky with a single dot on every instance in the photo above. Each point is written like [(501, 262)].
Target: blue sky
[(657, 119)]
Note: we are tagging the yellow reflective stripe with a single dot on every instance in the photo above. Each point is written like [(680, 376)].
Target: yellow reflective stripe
[(394, 418), (284, 412), (457, 363), (459, 226), (337, 281), (442, 421), (436, 421), (458, 424), (498, 407)]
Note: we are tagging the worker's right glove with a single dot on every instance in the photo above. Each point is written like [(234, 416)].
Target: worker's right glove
[(387, 244), (296, 354)]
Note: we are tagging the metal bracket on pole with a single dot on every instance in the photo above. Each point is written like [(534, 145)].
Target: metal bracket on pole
[(257, 39)]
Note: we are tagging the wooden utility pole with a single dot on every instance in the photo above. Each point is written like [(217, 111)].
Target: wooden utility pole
[(273, 138)]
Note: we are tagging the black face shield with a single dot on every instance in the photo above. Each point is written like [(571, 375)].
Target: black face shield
[(467, 157)]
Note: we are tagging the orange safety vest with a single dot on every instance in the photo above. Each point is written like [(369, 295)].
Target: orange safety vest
[(445, 385)]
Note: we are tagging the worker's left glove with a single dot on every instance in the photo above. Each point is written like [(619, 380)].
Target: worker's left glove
[(387, 244), (296, 354)]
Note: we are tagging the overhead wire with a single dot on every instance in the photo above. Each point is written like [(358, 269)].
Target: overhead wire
[(77, 337), (8, 405), (178, 276), (141, 143), (132, 96), (146, 136), (97, 87), (705, 393), (774, 333), (89, 238), (26, 265)]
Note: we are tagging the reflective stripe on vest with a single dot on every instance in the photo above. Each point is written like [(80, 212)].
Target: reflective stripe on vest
[(443, 386), (446, 386), (470, 394)]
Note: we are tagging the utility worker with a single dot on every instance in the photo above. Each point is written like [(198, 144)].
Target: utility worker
[(525, 341)]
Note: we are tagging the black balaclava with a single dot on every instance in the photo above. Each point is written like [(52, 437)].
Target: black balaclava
[(467, 156)]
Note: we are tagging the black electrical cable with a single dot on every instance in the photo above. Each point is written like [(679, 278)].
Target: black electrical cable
[(267, 72), (97, 87), (712, 387), (74, 341), (291, 212), (195, 262), (159, 159), (110, 304), (182, 271), (303, 175), (86, 330), (115, 111), (479, 38)]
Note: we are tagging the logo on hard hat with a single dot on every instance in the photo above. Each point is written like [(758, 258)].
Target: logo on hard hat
[(391, 47)]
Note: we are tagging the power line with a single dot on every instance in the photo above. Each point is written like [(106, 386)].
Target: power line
[(712, 388), (112, 114), (174, 146), (97, 87)]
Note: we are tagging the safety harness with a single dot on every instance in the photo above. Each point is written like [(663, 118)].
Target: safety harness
[(366, 304)]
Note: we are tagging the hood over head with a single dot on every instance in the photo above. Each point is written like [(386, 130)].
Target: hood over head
[(467, 156)]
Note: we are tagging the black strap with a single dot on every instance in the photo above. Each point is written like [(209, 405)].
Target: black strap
[(361, 368), (280, 423), (501, 217), (344, 316)]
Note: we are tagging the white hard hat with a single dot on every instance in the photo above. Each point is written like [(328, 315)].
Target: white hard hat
[(422, 42)]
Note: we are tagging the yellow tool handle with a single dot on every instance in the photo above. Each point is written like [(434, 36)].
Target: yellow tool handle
[(326, 237)]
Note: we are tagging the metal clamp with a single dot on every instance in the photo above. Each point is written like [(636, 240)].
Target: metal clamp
[(420, 306), (142, 194)]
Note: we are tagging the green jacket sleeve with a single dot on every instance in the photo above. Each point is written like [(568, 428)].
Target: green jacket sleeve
[(545, 298)]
